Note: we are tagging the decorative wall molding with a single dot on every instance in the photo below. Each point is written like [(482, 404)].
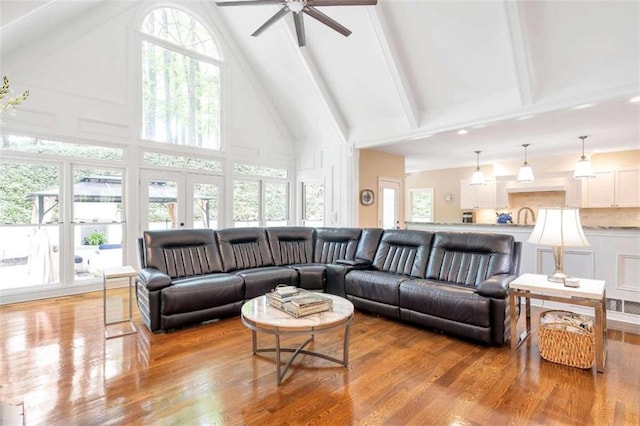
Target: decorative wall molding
[(627, 272)]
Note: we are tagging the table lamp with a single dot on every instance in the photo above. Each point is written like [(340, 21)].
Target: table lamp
[(559, 228)]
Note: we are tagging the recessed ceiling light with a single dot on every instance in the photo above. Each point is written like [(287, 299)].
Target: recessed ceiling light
[(583, 106), (462, 132), (635, 99), (525, 117)]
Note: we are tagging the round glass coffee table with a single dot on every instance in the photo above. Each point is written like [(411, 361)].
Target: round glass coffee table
[(259, 316)]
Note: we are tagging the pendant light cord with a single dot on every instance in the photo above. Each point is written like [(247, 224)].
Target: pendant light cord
[(583, 138), (525, 153)]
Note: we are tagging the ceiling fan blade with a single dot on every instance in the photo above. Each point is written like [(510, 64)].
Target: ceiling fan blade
[(316, 14), (342, 2), (279, 14), (246, 2), (297, 19)]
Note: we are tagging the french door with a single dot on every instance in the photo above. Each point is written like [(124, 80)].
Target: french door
[(172, 200)]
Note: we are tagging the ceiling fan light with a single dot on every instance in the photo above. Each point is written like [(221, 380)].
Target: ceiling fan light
[(525, 174), (295, 6), (583, 169)]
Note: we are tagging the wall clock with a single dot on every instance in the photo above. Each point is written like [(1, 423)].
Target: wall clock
[(448, 197), (366, 197)]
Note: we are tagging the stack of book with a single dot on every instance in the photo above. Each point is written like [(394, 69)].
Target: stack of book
[(300, 303), (278, 297)]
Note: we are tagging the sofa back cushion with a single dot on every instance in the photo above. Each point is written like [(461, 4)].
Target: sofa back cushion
[(403, 252), (335, 243), (368, 244), (181, 252), (291, 244), (469, 258), (244, 248)]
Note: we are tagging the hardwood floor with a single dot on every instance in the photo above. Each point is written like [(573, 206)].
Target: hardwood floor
[(54, 358)]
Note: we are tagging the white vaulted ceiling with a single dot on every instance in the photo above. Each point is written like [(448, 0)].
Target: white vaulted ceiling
[(415, 72)]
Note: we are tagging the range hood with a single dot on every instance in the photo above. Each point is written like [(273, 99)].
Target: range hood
[(538, 185)]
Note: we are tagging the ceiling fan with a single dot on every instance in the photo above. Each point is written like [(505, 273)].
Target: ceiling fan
[(298, 7)]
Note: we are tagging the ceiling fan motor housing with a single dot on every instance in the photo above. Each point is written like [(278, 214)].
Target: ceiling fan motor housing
[(296, 5)]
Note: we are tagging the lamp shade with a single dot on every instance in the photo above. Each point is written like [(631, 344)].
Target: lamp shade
[(558, 227), (583, 169), (525, 174), (478, 178)]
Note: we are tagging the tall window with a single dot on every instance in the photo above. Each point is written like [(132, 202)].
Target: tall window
[(180, 80), (61, 213)]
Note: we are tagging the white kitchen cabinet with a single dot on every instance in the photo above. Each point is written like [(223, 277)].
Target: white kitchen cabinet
[(502, 196), (627, 188), (619, 188), (477, 196), (573, 192)]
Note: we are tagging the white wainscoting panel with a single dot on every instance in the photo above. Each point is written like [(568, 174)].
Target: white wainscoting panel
[(577, 263), (628, 272)]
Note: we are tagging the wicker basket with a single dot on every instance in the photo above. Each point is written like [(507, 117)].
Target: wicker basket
[(566, 338)]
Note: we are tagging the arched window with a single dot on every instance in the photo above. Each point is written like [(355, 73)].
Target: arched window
[(180, 80)]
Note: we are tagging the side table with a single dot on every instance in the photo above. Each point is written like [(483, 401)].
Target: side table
[(535, 286), (112, 273)]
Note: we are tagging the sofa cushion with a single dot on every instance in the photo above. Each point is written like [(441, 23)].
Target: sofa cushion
[(182, 252), (202, 292), (469, 258), (332, 244), (259, 281), (311, 276), (244, 248), (374, 285), (403, 252), (291, 244), (444, 300), (368, 244)]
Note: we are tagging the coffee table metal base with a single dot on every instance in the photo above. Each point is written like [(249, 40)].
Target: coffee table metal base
[(277, 332)]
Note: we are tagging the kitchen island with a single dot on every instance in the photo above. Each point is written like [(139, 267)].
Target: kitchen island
[(614, 256)]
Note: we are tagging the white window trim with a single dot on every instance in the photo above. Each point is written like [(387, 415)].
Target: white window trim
[(140, 36), (408, 209)]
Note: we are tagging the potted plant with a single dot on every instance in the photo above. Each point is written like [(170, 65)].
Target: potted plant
[(95, 238)]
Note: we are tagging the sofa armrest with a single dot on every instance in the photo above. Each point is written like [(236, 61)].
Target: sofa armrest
[(355, 263), (496, 286), (153, 279)]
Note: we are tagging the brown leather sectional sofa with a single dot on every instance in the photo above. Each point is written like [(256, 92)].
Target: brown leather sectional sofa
[(450, 281)]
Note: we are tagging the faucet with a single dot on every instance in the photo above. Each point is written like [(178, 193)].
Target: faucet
[(526, 215)]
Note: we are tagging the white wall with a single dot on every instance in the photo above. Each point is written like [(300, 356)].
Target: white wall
[(336, 163), (83, 78), (83, 75)]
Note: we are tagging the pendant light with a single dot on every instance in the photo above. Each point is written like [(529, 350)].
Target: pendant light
[(525, 174), (583, 166), (478, 176)]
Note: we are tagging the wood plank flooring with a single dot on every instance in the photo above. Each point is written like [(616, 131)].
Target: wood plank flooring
[(54, 358)]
